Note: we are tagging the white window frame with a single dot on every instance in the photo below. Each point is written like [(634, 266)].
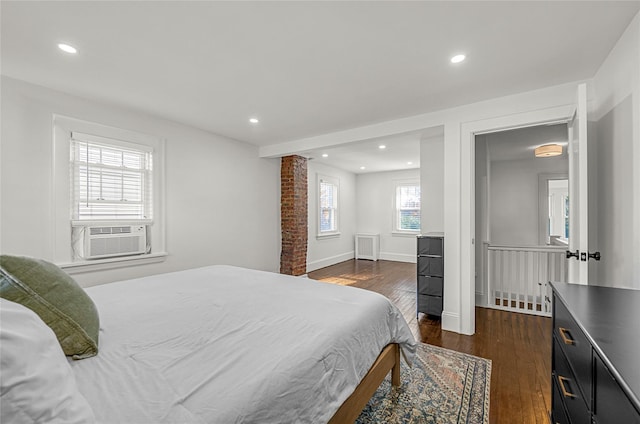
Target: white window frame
[(335, 232), (61, 197), (396, 209)]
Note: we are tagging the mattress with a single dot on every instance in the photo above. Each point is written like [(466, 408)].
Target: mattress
[(223, 344)]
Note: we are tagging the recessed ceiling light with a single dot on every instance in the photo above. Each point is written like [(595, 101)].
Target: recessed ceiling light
[(382, 147), (362, 167), (325, 155), (254, 120), (67, 48), (458, 58), (409, 163)]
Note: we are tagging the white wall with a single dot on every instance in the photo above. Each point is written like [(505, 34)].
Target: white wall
[(325, 251), (375, 209), (616, 113), (514, 198), (205, 173), (432, 184)]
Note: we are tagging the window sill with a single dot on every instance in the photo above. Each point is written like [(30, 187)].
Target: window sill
[(328, 236), (112, 263), (411, 234), (109, 222)]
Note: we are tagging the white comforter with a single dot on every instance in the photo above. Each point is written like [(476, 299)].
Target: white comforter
[(222, 344)]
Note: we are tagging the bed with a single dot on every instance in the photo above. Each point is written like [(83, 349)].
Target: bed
[(223, 344)]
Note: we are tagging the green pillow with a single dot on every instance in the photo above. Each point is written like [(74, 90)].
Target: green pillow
[(59, 301)]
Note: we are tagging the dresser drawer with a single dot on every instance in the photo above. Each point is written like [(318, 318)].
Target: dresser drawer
[(611, 404), (430, 266), (575, 346), (570, 395), (558, 414), (433, 246), (431, 305), (430, 285)]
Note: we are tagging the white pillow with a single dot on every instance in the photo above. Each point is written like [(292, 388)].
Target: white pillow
[(36, 381)]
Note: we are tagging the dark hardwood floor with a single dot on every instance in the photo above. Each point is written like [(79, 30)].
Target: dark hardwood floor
[(518, 345)]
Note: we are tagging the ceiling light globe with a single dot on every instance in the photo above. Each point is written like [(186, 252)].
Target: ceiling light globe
[(548, 150)]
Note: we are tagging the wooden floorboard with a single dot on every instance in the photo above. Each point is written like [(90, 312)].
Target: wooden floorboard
[(519, 345)]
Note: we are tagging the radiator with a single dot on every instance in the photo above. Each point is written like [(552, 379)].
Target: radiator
[(367, 246)]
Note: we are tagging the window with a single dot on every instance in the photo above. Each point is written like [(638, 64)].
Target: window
[(558, 217), (328, 193), (407, 209), (108, 204), (111, 179)]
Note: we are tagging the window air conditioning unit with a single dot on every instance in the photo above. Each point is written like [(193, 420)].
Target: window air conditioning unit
[(367, 246), (106, 242)]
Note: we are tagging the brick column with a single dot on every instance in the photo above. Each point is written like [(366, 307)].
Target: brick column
[(293, 215)]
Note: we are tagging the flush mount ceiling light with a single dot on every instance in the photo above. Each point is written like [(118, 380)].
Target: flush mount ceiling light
[(548, 150), (382, 147), (67, 48), (254, 120), (458, 58), (325, 155)]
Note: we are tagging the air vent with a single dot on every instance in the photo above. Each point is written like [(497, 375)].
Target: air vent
[(105, 242), (94, 231)]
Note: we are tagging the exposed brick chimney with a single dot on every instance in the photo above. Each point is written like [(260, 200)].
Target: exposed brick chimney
[(293, 215)]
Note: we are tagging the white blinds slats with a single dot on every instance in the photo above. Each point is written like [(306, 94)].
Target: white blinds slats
[(110, 182), (328, 206), (408, 207)]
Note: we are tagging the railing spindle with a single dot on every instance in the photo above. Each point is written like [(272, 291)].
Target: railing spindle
[(518, 275)]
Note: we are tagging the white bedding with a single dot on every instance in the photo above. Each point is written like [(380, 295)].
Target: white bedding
[(222, 344)]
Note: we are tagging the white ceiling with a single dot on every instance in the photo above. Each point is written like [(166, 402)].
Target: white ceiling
[(401, 151), (520, 143), (304, 68)]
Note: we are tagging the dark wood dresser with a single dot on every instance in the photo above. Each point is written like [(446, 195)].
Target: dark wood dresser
[(430, 273), (596, 355)]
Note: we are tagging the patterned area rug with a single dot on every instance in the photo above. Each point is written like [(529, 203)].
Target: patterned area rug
[(443, 386)]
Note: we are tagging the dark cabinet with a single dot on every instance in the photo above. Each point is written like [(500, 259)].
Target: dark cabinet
[(430, 284), (611, 404), (595, 373)]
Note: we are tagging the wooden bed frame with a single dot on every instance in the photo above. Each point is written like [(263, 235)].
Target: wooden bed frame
[(388, 360)]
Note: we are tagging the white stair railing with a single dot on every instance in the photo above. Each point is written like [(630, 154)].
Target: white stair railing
[(518, 277)]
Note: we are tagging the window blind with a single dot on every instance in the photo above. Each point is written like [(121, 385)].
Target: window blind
[(408, 207), (111, 179), (328, 206)]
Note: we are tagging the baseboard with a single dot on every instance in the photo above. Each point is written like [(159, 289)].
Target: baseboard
[(481, 299), (312, 266), (398, 257), (450, 321), (386, 256)]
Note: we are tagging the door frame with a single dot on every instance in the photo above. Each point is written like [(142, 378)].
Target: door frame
[(468, 132)]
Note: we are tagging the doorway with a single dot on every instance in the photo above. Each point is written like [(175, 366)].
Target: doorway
[(519, 214)]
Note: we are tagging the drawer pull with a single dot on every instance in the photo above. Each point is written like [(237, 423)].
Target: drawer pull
[(566, 338), (563, 389)]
